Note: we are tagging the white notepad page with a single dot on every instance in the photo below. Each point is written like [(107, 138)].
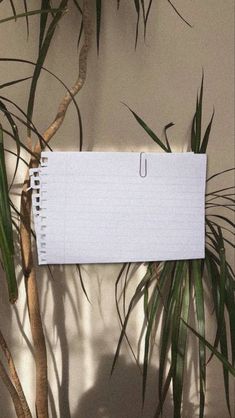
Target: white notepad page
[(105, 207)]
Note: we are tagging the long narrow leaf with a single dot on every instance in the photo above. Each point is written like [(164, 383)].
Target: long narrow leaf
[(180, 347), (15, 133), (198, 119), (199, 300), (62, 83), (221, 172), (29, 125), (13, 9), (5, 212), (147, 15), (166, 271), (26, 16), (11, 83), (6, 233), (169, 125), (178, 13), (206, 136), (8, 264), (166, 337), (78, 6), (98, 23), (223, 359), (148, 130), (42, 56), (45, 5), (134, 300), (223, 218), (137, 7), (30, 13)]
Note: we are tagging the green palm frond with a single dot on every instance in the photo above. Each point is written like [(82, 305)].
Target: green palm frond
[(181, 284), (143, 12), (6, 232)]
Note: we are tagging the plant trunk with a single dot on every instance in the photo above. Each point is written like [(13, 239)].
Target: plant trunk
[(13, 393), (14, 377), (33, 305)]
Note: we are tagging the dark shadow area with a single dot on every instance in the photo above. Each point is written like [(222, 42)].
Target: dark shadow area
[(120, 395), (59, 290), (55, 280), (6, 321)]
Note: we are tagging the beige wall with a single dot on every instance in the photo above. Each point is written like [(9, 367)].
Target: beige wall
[(159, 81)]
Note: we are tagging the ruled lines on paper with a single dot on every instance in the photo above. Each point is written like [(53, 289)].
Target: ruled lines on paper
[(95, 207)]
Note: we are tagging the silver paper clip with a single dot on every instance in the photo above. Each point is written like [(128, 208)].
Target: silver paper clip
[(143, 165)]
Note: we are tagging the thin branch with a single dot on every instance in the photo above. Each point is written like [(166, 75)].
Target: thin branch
[(14, 377), (12, 391)]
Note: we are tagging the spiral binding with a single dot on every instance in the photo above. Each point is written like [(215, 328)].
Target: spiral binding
[(37, 184)]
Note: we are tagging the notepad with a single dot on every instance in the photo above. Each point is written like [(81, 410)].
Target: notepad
[(112, 207)]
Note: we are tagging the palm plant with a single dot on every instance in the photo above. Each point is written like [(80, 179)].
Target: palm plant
[(171, 289), (25, 118), (167, 287)]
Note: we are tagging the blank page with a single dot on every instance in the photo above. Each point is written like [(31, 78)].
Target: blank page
[(105, 207)]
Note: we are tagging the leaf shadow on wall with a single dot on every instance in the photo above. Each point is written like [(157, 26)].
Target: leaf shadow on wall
[(60, 290), (116, 396)]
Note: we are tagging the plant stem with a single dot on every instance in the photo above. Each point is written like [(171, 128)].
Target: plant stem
[(14, 377), (13, 393), (33, 306), (25, 231)]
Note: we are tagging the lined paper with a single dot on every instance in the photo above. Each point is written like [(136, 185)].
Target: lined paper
[(111, 207)]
